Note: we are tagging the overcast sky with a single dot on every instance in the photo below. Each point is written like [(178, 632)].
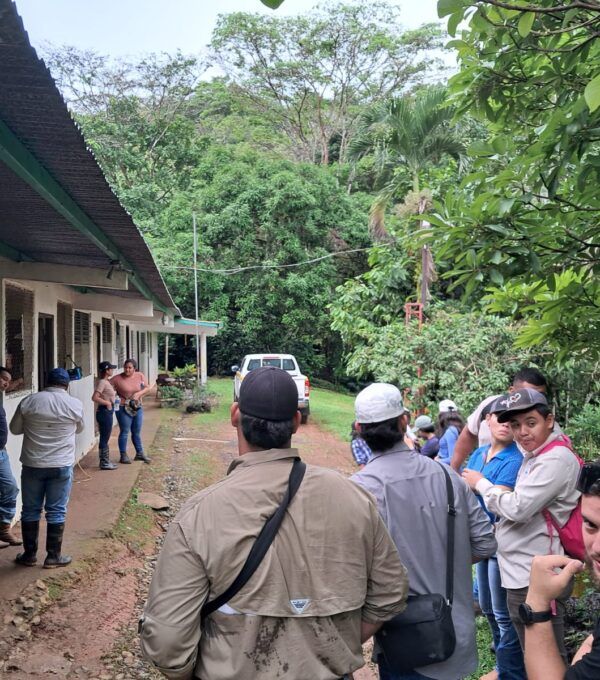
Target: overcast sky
[(127, 27)]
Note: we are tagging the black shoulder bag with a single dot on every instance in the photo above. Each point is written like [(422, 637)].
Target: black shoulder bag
[(262, 543), (423, 633)]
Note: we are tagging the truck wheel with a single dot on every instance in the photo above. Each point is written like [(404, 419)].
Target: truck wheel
[(304, 419)]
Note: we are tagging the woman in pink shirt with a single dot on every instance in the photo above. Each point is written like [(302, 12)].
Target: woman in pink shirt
[(131, 386)]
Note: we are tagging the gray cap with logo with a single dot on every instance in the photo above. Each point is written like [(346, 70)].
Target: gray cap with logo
[(517, 402)]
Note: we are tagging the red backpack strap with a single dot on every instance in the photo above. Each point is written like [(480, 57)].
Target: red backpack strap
[(551, 523), (561, 440)]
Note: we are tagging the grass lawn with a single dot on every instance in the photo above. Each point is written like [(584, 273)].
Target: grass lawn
[(333, 411), (487, 660), (223, 389)]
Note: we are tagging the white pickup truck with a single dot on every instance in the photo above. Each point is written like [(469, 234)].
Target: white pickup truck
[(285, 361)]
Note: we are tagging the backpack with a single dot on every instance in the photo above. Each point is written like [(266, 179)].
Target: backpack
[(570, 534)]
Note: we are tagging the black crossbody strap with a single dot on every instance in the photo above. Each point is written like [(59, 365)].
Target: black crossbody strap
[(450, 532), (262, 543)]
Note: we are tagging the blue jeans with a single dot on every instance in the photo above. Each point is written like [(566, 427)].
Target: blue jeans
[(131, 424), (104, 418), (47, 488), (386, 674), (8, 490), (492, 600)]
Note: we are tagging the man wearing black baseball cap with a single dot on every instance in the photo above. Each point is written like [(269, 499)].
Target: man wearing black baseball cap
[(328, 580), (547, 481)]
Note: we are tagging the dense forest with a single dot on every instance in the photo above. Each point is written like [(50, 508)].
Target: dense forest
[(340, 166)]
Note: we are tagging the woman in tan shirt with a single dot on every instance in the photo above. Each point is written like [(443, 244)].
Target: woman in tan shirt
[(131, 386), (104, 396)]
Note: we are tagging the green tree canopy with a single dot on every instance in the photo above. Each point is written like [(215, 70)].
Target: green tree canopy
[(260, 216), (410, 132), (311, 73), (525, 223)]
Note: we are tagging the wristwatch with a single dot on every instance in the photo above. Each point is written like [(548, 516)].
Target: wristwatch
[(528, 616)]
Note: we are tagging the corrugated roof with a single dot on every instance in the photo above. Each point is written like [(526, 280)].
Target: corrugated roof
[(34, 112)]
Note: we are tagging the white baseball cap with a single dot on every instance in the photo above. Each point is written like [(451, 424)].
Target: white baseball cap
[(378, 402), (447, 405)]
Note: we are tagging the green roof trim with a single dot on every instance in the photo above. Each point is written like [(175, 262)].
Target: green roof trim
[(201, 324), (24, 164)]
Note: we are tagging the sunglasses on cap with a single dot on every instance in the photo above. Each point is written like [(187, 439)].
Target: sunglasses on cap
[(589, 475)]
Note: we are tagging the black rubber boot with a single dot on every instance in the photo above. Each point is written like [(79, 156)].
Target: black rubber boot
[(7, 536), (29, 531), (140, 455), (124, 458), (105, 463), (54, 538)]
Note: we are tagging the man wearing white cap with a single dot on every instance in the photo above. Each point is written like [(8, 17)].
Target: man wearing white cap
[(412, 498)]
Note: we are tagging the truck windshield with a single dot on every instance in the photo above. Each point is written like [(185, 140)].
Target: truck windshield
[(272, 361), (253, 363), (288, 365)]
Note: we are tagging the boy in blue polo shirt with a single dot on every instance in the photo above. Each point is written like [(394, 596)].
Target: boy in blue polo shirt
[(499, 462)]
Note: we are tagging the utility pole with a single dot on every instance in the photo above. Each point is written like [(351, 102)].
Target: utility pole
[(196, 300)]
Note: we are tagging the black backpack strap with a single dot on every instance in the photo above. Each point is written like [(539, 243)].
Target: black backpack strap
[(262, 543), (450, 533)]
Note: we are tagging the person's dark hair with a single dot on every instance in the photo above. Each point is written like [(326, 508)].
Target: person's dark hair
[(133, 362), (381, 436), (486, 411), (429, 428), (4, 370), (448, 418), (267, 434), (530, 375), (594, 489)]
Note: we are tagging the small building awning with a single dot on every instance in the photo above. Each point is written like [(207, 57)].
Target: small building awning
[(185, 326), (180, 326)]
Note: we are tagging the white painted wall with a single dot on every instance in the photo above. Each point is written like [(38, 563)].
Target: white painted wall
[(46, 297)]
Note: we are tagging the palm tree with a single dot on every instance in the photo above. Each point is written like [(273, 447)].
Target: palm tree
[(413, 131)]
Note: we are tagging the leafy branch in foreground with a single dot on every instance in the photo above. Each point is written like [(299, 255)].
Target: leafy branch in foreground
[(526, 220)]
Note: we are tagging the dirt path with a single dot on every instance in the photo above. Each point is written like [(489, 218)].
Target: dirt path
[(83, 625)]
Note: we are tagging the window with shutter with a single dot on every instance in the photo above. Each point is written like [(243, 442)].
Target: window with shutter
[(106, 331), (18, 334), (64, 334), (120, 333), (82, 342)]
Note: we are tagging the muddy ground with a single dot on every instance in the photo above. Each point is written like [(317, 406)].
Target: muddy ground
[(83, 624)]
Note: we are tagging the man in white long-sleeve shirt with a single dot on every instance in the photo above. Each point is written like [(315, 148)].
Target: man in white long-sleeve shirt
[(48, 422), (546, 480)]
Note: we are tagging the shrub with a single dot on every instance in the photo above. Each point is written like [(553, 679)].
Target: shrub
[(584, 430), (172, 394)]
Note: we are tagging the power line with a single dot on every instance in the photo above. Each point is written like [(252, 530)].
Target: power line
[(237, 270)]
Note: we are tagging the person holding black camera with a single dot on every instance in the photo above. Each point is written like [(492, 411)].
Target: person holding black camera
[(131, 386)]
